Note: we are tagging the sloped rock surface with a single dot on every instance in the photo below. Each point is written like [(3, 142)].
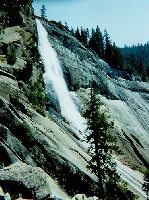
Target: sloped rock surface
[(34, 179), (127, 100), (54, 147)]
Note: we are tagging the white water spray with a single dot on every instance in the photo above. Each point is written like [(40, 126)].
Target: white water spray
[(54, 75)]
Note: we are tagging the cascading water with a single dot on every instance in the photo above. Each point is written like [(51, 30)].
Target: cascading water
[(54, 75)]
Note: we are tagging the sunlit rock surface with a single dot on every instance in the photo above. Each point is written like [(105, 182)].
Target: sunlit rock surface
[(56, 149)]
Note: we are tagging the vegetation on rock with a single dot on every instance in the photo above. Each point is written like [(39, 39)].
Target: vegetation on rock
[(102, 145), (133, 60), (145, 185), (136, 60), (23, 133)]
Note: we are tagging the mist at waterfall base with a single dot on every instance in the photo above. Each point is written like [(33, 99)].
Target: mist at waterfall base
[(54, 76)]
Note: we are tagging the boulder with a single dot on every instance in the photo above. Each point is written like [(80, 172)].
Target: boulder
[(34, 179)]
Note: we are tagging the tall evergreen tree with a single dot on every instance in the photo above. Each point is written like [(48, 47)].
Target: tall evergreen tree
[(116, 57), (107, 48), (72, 32), (77, 34), (102, 144), (96, 42), (83, 36), (137, 58), (43, 12)]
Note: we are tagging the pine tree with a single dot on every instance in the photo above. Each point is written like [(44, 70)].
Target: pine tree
[(72, 32), (96, 42), (116, 57), (83, 36), (107, 48), (43, 12), (102, 144)]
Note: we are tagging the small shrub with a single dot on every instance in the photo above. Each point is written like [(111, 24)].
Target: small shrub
[(38, 98), (23, 133), (39, 110), (11, 56), (3, 132)]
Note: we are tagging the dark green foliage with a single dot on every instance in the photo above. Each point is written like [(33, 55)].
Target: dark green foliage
[(15, 101), (14, 4), (84, 36), (15, 188), (102, 147), (25, 73), (23, 133), (119, 191), (102, 45), (112, 54), (43, 12), (5, 159), (77, 34), (33, 51), (136, 60), (72, 32), (102, 143), (12, 9), (11, 55), (3, 132), (96, 42), (116, 58), (10, 51), (39, 110), (37, 97)]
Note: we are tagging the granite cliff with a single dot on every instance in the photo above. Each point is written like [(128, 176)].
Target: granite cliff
[(39, 153)]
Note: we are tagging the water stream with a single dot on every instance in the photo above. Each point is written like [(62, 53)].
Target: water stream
[(54, 76)]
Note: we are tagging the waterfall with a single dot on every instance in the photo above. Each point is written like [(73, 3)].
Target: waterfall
[(54, 76)]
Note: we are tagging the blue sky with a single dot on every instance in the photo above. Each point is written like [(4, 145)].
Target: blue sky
[(127, 21)]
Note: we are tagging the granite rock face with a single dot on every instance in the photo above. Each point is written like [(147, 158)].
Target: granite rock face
[(127, 100), (50, 148), (32, 178)]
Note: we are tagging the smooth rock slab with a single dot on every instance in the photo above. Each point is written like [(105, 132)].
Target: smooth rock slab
[(33, 178)]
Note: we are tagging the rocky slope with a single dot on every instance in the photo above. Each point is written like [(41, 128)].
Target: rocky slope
[(39, 153), (127, 100), (29, 138)]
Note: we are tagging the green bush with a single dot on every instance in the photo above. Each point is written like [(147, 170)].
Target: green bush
[(38, 98), (3, 132), (39, 110), (11, 56), (23, 133)]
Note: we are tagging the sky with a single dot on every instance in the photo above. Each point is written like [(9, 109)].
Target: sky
[(126, 21)]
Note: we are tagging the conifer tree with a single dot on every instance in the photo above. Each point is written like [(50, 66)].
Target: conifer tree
[(96, 42), (102, 145), (107, 48), (72, 32), (77, 34), (83, 36), (116, 57), (43, 12)]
